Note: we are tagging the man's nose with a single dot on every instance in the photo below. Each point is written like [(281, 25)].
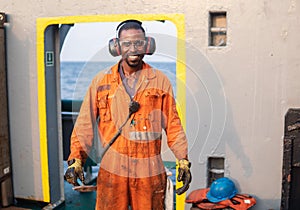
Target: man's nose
[(133, 47)]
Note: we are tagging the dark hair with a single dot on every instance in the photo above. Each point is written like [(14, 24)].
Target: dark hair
[(130, 24)]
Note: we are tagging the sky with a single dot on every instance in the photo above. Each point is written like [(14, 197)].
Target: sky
[(89, 41)]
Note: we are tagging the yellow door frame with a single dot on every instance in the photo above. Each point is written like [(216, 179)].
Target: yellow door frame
[(43, 23)]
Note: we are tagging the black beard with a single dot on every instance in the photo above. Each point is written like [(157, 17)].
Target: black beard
[(133, 65)]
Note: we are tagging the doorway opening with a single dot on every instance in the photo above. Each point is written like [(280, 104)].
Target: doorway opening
[(58, 113)]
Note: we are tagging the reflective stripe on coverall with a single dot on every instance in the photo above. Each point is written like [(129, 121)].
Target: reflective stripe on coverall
[(132, 171)]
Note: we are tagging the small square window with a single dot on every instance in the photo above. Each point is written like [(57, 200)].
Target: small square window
[(217, 29), (215, 168)]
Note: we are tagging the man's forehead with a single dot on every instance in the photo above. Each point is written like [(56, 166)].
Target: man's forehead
[(132, 33)]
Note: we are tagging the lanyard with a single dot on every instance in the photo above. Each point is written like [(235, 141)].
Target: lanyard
[(130, 90)]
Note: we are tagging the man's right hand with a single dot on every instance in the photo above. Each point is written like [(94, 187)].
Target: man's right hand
[(184, 175), (74, 172)]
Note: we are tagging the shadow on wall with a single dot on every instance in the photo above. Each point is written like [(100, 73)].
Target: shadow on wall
[(234, 142), (209, 119)]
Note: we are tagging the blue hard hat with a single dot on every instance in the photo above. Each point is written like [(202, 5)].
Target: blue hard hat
[(221, 189)]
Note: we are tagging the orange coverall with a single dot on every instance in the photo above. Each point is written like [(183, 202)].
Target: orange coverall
[(132, 171)]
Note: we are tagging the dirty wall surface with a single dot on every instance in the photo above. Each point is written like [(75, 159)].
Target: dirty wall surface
[(237, 95)]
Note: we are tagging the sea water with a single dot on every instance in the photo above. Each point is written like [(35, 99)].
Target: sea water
[(76, 76)]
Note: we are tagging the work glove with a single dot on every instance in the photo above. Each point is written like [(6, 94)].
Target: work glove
[(184, 175), (74, 172)]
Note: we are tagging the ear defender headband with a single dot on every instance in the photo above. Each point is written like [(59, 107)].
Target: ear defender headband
[(114, 44)]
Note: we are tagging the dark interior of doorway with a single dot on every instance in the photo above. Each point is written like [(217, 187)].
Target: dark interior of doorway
[(290, 198)]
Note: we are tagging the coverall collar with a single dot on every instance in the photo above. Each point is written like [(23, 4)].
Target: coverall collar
[(146, 71)]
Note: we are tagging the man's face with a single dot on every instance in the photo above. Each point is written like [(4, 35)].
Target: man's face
[(132, 43)]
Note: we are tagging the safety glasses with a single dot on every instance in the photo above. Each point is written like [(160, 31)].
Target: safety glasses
[(136, 43)]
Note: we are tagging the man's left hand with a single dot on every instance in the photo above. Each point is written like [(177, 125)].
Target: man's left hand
[(184, 175), (74, 172)]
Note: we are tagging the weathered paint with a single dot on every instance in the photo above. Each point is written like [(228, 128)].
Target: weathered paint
[(255, 83)]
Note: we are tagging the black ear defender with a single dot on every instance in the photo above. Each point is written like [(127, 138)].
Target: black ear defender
[(114, 44), (114, 47)]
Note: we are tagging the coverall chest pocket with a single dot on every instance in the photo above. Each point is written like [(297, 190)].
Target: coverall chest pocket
[(153, 99), (103, 106), (154, 105)]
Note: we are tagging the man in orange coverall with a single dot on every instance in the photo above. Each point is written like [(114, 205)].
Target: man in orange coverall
[(131, 171)]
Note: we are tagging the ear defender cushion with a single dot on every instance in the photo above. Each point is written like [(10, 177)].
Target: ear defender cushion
[(114, 47), (150, 46)]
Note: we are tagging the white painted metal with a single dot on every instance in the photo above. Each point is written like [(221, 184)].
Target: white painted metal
[(241, 94)]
